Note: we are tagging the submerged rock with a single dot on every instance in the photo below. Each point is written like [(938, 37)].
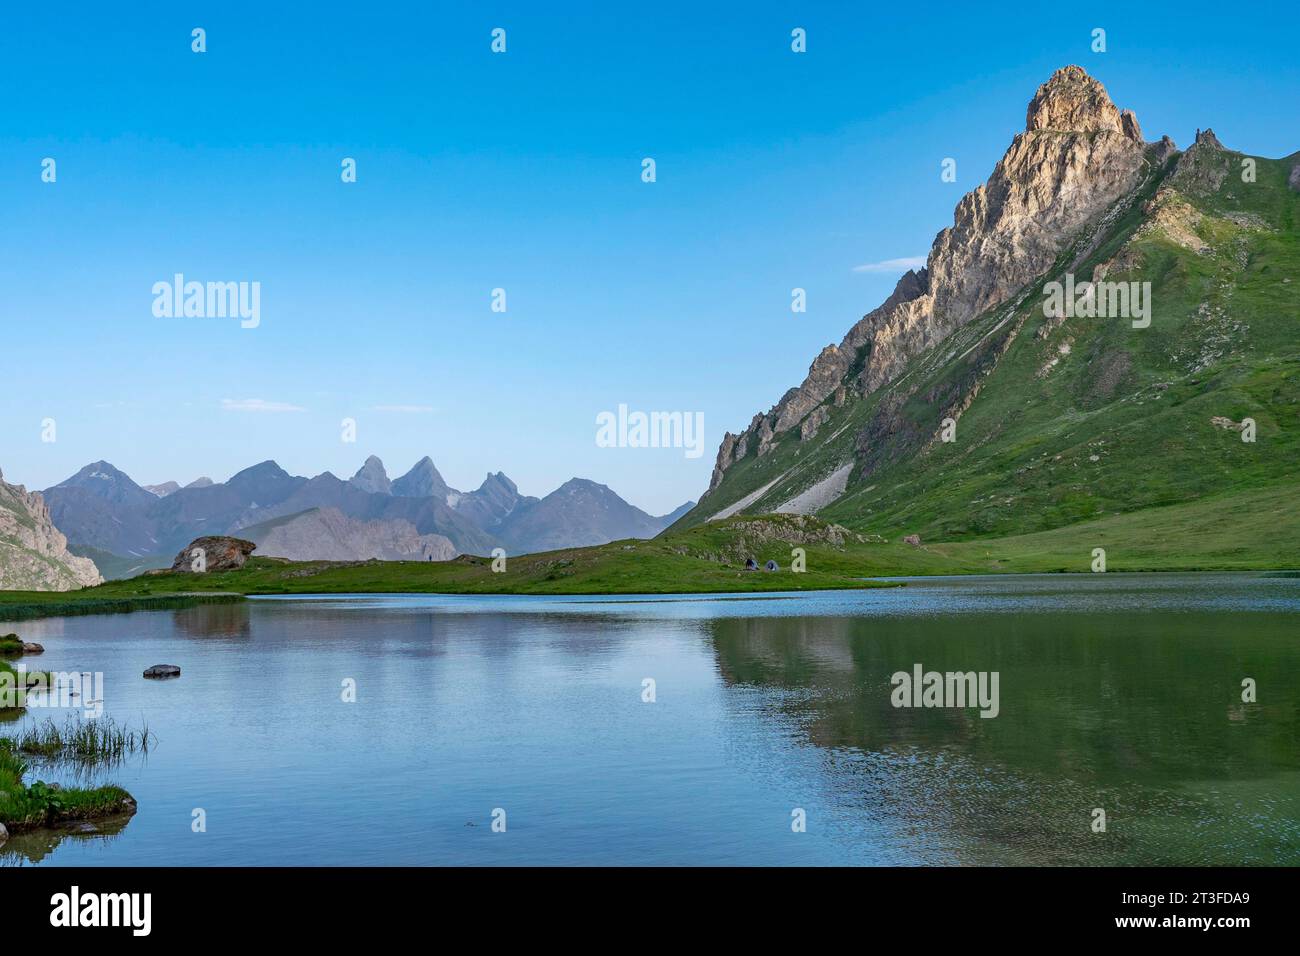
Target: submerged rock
[(162, 672)]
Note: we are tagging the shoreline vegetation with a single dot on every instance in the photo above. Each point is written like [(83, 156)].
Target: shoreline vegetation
[(1257, 530), (43, 805), (83, 743)]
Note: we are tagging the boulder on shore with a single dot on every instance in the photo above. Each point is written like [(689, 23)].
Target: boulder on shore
[(213, 553), (162, 671)]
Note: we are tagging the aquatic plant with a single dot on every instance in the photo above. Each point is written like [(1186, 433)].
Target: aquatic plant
[(87, 741), (45, 804)]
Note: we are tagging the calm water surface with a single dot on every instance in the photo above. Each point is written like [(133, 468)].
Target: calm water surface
[(1116, 691)]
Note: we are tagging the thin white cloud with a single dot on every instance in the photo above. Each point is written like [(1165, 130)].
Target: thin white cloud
[(405, 409), (892, 265), (258, 405)]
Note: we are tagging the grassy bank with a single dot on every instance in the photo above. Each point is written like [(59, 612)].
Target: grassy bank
[(25, 807), (1256, 530), (105, 599), (89, 743)]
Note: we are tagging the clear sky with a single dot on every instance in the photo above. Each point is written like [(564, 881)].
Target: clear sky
[(519, 171)]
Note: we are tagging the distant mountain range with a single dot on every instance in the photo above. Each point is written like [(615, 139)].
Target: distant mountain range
[(125, 527)]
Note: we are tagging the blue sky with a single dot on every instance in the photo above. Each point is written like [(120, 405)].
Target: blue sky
[(519, 171)]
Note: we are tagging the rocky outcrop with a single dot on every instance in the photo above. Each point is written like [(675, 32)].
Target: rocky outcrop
[(34, 554), (213, 553), (1077, 157), (1206, 137), (1171, 215), (326, 534), (747, 537), (812, 422), (1203, 168), (1227, 423)]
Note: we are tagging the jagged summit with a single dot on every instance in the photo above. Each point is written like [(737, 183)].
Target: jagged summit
[(422, 481), (1072, 101), (1077, 158), (498, 481), (372, 477), (1207, 138)]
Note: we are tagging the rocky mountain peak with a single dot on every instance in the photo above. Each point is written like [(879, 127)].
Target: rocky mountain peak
[(581, 486), (1206, 137), (98, 472), (1072, 101), (263, 481), (263, 469), (422, 481), (498, 482), (1203, 168), (1079, 157), (372, 477), (101, 480)]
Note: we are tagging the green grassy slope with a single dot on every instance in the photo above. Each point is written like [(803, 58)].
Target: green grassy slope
[(1085, 418)]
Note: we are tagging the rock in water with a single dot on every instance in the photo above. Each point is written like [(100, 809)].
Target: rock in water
[(4, 835), (162, 672), (213, 553), (30, 648)]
